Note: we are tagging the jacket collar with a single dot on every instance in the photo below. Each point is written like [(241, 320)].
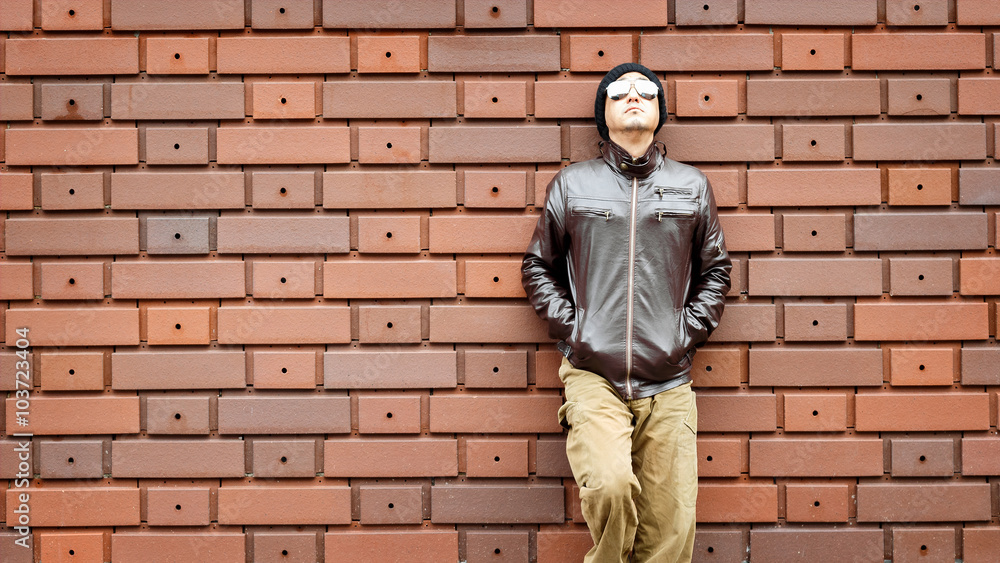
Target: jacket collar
[(620, 159)]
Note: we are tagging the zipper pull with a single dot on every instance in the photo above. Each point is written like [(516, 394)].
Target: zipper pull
[(607, 215), (659, 216), (660, 191)]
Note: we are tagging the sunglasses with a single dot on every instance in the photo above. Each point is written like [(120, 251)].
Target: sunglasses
[(645, 88)]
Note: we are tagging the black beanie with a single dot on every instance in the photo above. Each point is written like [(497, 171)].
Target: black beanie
[(615, 74)]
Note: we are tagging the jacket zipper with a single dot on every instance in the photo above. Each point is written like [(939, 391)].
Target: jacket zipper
[(593, 212), (631, 289), (661, 213)]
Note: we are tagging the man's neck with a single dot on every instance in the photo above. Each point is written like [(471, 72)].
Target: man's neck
[(636, 143)]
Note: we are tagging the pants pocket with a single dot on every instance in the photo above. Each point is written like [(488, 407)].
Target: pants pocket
[(691, 419), (564, 414)]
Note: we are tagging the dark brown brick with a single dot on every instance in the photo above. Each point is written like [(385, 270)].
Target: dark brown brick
[(918, 141), (858, 96), (177, 370), (534, 53), (980, 366), (72, 459), (486, 323), (926, 457), (284, 458), (302, 234), (496, 413), (496, 458), (980, 455), (495, 546), (737, 412), (817, 457), (550, 458), (283, 505), (894, 502), (426, 99), (846, 276), (496, 504), (360, 14), (796, 545), (177, 235), (908, 231), (497, 144), (980, 545), (177, 415), (284, 415)]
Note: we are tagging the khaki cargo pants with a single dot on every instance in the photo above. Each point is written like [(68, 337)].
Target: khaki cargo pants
[(636, 465)]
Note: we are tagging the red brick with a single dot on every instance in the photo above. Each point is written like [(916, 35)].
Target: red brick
[(486, 13), (812, 51), (811, 12), (389, 145), (642, 13), (923, 544), (283, 190), (390, 369), (397, 189), (715, 143), (485, 546), (382, 458), (262, 233), (391, 505), (707, 98), (496, 458), (75, 546), (284, 100), (284, 370), (177, 235), (922, 412), (815, 322), (720, 12), (72, 147), (979, 276), (918, 51), (178, 325), (801, 142), (980, 366), (177, 190), (495, 188), (392, 547), (177, 458), (72, 459), (16, 15), (400, 53), (223, 100), (283, 145), (284, 280), (550, 458), (922, 457), (855, 96), (500, 53), (815, 367), (816, 457), (498, 413), (720, 457), (815, 412), (78, 506), (921, 366), (72, 371), (277, 14), (16, 102), (497, 504), (16, 191), (814, 232), (69, 327), (151, 547), (748, 231), (706, 51), (84, 190), (389, 234), (177, 415), (750, 322), (72, 102), (815, 277), (361, 14), (495, 99), (816, 503), (383, 279), (285, 546), (105, 55), (598, 53), (983, 12), (177, 370), (978, 96), (919, 186), (15, 280), (977, 186), (800, 545), (980, 545), (481, 233), (826, 187), (563, 545), (284, 415), (919, 141), (283, 55), (486, 323), (284, 458), (188, 145), (470, 144), (169, 506), (725, 184), (496, 368), (389, 414), (564, 98), (919, 96), (981, 455), (350, 99), (909, 231), (905, 12), (737, 503), (284, 325), (169, 279), (917, 321), (894, 502), (176, 55), (180, 14), (264, 505), (743, 412), (718, 367)]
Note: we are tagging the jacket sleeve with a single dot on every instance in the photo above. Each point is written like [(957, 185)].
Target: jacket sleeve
[(543, 269), (710, 281)]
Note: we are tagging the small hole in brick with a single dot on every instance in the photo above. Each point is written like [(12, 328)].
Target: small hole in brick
[(392, 505), (815, 413), (919, 97), (72, 102), (284, 370), (921, 367), (72, 13), (816, 503), (496, 458), (72, 372), (600, 53), (813, 142), (920, 186), (388, 145), (284, 100), (495, 99), (284, 551), (389, 325), (920, 277), (708, 368), (72, 191), (496, 279), (709, 458), (812, 51), (177, 55), (283, 191), (707, 97), (388, 235), (177, 416), (710, 548), (284, 459), (177, 507), (496, 10), (923, 548), (177, 235), (496, 369), (923, 458), (283, 280), (497, 551), (71, 552), (72, 281), (177, 326), (495, 190), (177, 146), (814, 233), (282, 11), (70, 460), (815, 322), (388, 54), (916, 7), (388, 415)]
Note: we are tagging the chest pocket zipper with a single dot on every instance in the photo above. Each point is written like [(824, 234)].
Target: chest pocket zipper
[(673, 191), (592, 212), (661, 213)]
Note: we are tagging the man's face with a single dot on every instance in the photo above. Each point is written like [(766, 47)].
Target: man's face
[(632, 112)]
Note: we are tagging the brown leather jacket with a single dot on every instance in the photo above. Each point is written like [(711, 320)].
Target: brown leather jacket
[(628, 265)]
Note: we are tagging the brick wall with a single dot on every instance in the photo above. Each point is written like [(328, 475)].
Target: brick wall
[(268, 252)]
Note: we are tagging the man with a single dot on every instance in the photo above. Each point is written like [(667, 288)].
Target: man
[(629, 268)]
